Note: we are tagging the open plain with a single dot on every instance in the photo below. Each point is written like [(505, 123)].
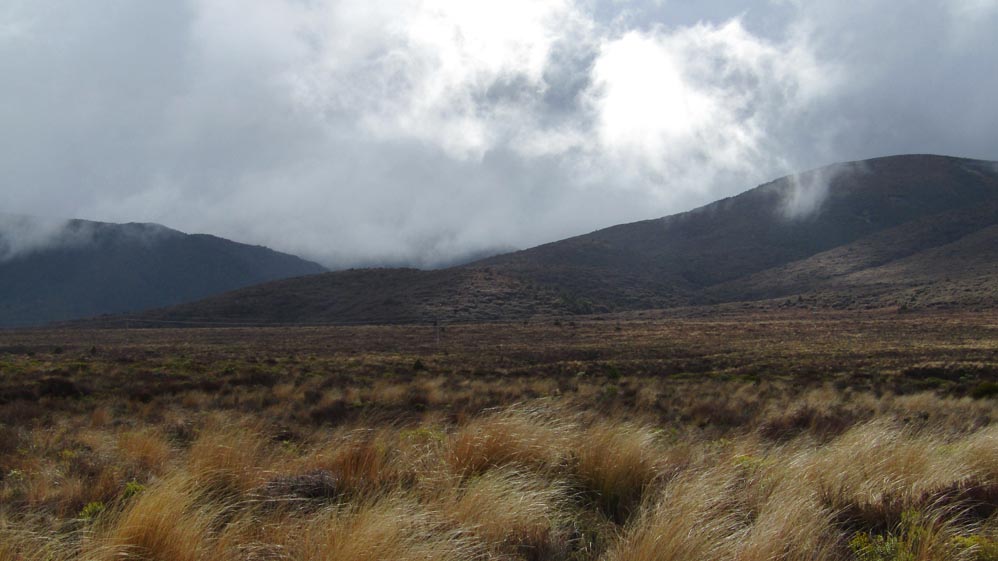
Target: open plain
[(765, 435)]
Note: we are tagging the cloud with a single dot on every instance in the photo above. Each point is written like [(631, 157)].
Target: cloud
[(23, 235), (969, 11), (680, 109), (421, 131), (806, 192), (462, 76)]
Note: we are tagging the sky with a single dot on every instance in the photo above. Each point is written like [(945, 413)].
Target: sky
[(424, 132)]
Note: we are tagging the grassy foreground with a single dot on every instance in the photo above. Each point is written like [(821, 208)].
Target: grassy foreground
[(790, 437)]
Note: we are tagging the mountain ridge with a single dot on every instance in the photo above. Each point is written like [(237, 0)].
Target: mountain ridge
[(736, 249), (54, 270)]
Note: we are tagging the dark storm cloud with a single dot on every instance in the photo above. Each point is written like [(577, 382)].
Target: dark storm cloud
[(421, 131)]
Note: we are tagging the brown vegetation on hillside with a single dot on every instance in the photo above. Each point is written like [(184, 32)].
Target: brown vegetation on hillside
[(913, 231)]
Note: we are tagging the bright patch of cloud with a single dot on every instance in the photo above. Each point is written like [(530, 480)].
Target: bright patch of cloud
[(679, 107), (417, 131), (457, 74)]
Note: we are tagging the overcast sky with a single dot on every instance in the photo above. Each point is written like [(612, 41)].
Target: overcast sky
[(422, 131)]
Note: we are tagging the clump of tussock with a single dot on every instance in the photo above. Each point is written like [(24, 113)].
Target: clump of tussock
[(393, 527), (146, 450), (731, 510), (18, 543), (876, 471), (615, 463), (513, 512), (229, 458), (536, 438), (361, 462), (789, 523), (977, 492), (695, 517), (167, 522)]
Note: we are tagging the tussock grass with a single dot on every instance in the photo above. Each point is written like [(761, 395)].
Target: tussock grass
[(511, 511), (359, 462), (680, 442), (695, 518), (228, 459), (532, 481), (146, 450), (390, 528), (518, 436), (616, 462), (164, 523), (876, 471)]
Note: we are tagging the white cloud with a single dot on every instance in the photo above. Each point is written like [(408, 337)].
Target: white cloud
[(417, 131), (644, 101), (807, 191), (678, 109), (20, 235), (973, 8), (453, 73)]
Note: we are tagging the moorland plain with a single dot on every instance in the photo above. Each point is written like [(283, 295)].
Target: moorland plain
[(779, 435)]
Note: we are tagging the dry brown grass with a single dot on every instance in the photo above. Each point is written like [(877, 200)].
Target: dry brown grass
[(228, 457), (510, 511), (392, 528), (616, 462), (520, 436), (532, 482), (146, 450), (696, 517), (359, 462), (164, 523), (564, 443)]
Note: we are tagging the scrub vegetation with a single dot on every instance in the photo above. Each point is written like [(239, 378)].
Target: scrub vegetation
[(864, 437)]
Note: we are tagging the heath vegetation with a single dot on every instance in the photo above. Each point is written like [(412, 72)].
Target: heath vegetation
[(766, 437)]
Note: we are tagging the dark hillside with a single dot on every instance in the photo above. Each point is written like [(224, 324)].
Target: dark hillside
[(98, 268), (903, 230)]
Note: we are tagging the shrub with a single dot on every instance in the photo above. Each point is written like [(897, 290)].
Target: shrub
[(916, 538), (981, 547), (985, 390), (92, 510), (132, 488)]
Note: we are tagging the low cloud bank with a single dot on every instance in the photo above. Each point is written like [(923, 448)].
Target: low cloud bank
[(422, 131)]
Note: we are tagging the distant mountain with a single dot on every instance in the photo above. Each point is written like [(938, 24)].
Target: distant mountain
[(59, 270), (906, 231)]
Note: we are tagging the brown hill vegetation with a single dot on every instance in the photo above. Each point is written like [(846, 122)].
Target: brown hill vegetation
[(904, 231)]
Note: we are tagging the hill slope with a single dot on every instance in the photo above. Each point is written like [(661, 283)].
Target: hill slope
[(79, 268), (904, 229)]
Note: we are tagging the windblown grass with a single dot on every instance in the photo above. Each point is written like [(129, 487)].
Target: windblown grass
[(575, 458)]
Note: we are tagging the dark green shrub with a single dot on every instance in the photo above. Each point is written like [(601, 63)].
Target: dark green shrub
[(916, 538), (92, 510), (985, 390)]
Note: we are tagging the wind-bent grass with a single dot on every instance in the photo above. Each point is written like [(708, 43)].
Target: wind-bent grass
[(531, 482), (573, 454)]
